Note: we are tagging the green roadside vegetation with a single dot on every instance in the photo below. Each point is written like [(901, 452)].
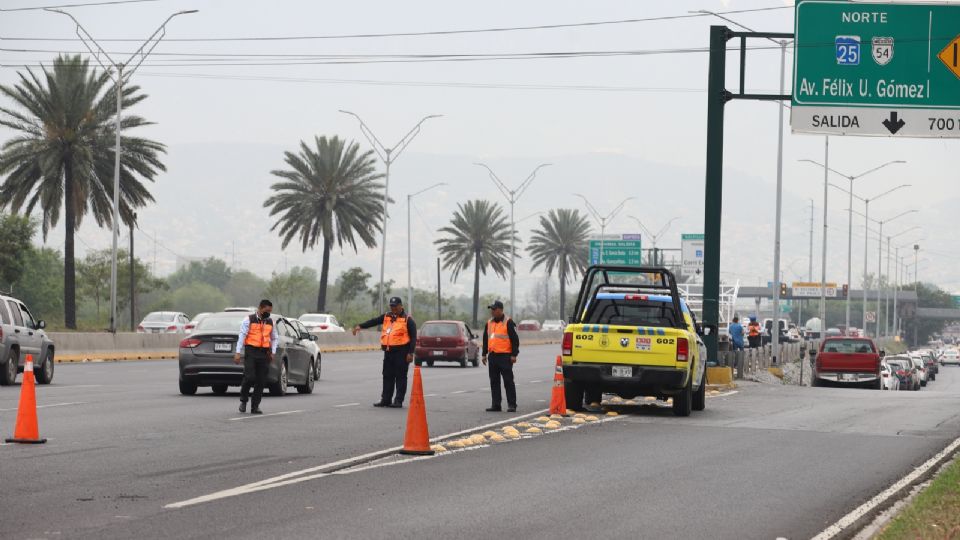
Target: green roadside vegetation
[(933, 513)]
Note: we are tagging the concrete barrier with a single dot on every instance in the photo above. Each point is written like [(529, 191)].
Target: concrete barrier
[(104, 346)]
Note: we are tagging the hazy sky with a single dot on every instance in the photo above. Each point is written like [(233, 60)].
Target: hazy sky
[(637, 130)]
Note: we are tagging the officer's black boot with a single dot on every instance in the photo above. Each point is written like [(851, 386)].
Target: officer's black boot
[(243, 405)]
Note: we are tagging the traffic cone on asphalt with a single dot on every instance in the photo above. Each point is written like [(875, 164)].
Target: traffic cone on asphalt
[(558, 399), (417, 440), (26, 430)]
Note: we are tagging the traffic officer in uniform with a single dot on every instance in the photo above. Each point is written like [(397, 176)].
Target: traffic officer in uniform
[(753, 333), (398, 339), (257, 345), (501, 345)]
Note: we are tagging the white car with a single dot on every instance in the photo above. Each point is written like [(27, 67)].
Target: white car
[(921, 368), (163, 322), (950, 356), (552, 326), (195, 321), (889, 377), (318, 323)]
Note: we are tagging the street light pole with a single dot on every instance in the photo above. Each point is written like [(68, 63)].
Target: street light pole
[(866, 244), (823, 255), (513, 195), (898, 263), (603, 219), (880, 262), (654, 237), (123, 69), (410, 197), (388, 156)]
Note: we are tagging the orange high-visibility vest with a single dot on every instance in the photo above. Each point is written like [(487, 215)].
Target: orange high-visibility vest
[(259, 334), (498, 338), (754, 329), (394, 333)]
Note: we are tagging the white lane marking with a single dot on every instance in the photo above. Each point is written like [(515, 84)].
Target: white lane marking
[(865, 508), (313, 472), (429, 395), (345, 405), (67, 386), (48, 406), (535, 381), (459, 392), (265, 415)]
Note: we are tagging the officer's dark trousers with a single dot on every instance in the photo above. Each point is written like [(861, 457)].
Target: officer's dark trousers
[(394, 375), (754, 341), (255, 368), (500, 366)]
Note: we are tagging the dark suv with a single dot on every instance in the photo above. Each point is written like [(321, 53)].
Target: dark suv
[(22, 334)]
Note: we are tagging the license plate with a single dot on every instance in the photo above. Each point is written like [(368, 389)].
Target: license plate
[(622, 371), (156, 330), (222, 347), (438, 353)]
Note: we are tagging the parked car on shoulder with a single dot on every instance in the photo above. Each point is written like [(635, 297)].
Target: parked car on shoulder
[(163, 322), (950, 356), (317, 323), (529, 325), (847, 361), (906, 371), (889, 376), (21, 334), (239, 309), (206, 356), (555, 325), (929, 362), (921, 369), (193, 322), (446, 341)]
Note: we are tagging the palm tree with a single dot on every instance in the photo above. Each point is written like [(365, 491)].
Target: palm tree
[(329, 193), (63, 153), (561, 244), (478, 235)]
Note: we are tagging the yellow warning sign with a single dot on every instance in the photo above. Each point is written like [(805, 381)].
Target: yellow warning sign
[(950, 56)]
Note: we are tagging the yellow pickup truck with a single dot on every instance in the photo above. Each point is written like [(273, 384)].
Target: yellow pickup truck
[(633, 335)]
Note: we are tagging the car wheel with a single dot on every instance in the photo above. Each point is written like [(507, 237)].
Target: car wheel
[(475, 362), (923, 383), (463, 362), (813, 380), (429, 363), (279, 388), (307, 388), (319, 365), (418, 362), (219, 389), (45, 373), (574, 393), (683, 402), (187, 389), (700, 396), (9, 375)]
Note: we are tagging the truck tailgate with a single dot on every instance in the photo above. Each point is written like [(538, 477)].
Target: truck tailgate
[(608, 344), (849, 362)]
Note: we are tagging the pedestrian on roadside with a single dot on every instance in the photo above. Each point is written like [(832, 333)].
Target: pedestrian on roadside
[(501, 345), (256, 346), (736, 334), (398, 339), (753, 333)]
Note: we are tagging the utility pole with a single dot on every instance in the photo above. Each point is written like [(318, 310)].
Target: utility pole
[(513, 195), (439, 303), (122, 69), (823, 255), (775, 331), (409, 251), (388, 156)]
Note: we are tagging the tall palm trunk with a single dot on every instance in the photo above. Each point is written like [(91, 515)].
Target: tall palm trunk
[(476, 288), (563, 294), (69, 261), (324, 276)]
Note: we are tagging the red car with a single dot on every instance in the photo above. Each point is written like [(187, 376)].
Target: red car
[(848, 361), (446, 341)]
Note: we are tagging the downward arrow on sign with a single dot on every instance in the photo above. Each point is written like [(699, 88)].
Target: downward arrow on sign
[(893, 123)]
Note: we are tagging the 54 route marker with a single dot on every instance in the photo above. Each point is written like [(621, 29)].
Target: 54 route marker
[(878, 69)]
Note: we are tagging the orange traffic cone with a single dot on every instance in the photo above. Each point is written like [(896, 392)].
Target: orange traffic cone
[(26, 430), (417, 440), (558, 399)]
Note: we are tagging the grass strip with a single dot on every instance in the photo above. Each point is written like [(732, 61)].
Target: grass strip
[(933, 513)]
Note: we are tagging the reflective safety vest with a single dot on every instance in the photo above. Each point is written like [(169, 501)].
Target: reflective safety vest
[(754, 329), (498, 338), (259, 334), (394, 333)]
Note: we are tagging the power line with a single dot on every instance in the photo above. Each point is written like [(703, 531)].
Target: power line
[(85, 4), (433, 32)]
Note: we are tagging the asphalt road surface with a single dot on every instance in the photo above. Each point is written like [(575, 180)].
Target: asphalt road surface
[(764, 462)]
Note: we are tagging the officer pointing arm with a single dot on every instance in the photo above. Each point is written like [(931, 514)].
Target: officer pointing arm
[(398, 340)]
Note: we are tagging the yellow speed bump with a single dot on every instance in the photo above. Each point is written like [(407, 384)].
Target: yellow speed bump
[(478, 439), (613, 413), (496, 437), (438, 448), (512, 434), (543, 419), (556, 417), (591, 418), (455, 444), (533, 430), (523, 424), (579, 415), (552, 425), (579, 421), (489, 434)]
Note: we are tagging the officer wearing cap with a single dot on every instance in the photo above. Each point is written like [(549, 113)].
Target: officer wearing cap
[(398, 339), (501, 345)]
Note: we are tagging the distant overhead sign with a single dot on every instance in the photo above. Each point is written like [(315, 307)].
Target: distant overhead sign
[(870, 68), (691, 253), (623, 250), (803, 289)]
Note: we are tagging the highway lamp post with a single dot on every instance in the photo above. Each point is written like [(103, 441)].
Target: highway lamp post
[(388, 156), (898, 264), (654, 237), (512, 196), (603, 220), (866, 246), (409, 250), (123, 69), (880, 262)]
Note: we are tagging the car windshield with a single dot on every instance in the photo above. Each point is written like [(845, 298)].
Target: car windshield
[(226, 322), (314, 318), (159, 316), (848, 346), (439, 330)]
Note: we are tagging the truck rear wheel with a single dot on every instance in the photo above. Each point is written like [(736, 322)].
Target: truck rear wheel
[(573, 392), (682, 402)]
